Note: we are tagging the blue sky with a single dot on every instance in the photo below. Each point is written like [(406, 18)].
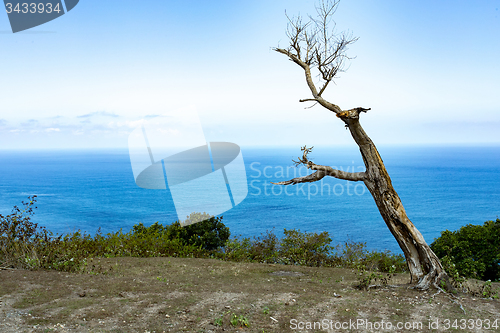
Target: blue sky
[(429, 70)]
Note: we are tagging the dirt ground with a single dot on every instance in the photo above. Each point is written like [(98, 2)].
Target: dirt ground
[(205, 295)]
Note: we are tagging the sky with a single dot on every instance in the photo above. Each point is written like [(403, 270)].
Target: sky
[(429, 70)]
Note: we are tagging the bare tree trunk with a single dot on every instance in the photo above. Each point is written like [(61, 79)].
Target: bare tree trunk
[(424, 266), (313, 45)]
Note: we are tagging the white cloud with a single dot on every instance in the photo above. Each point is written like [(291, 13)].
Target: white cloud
[(99, 113)]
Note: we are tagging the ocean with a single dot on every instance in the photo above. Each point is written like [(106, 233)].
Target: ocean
[(440, 187)]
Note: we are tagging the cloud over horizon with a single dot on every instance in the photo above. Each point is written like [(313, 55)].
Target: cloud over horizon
[(99, 113)]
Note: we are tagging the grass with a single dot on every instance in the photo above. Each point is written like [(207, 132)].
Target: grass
[(201, 295), (166, 278)]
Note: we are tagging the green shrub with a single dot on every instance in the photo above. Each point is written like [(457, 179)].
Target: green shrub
[(18, 237), (295, 248), (210, 233), (351, 253), (25, 245), (472, 251), (355, 255), (195, 218), (265, 249), (309, 249), (386, 262), (237, 250)]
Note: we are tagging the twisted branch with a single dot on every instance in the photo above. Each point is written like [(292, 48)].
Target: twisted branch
[(321, 171)]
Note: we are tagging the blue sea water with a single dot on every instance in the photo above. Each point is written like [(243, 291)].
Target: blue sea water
[(440, 187)]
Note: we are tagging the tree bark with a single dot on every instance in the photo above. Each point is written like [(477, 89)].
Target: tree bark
[(313, 46), (424, 266)]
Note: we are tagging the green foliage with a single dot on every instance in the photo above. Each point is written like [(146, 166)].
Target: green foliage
[(218, 321), (295, 248), (206, 231), (355, 255), (487, 290), (263, 249), (472, 251), (18, 236), (238, 250), (209, 234), (239, 321), (25, 245), (196, 217), (233, 319), (310, 249), (456, 279), (366, 279)]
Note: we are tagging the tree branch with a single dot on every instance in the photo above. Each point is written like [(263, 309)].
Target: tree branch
[(329, 171), (293, 57), (324, 87), (314, 46), (305, 179), (321, 171), (352, 113)]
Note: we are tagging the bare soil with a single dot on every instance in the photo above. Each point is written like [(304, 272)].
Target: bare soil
[(205, 295)]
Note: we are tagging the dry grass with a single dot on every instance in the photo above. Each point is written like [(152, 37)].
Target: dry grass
[(206, 295)]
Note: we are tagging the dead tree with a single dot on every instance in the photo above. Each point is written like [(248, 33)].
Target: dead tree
[(315, 46)]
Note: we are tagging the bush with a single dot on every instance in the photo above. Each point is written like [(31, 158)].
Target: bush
[(355, 255), (309, 249), (295, 248), (238, 250), (210, 233), (264, 249), (25, 245), (18, 237), (472, 251)]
